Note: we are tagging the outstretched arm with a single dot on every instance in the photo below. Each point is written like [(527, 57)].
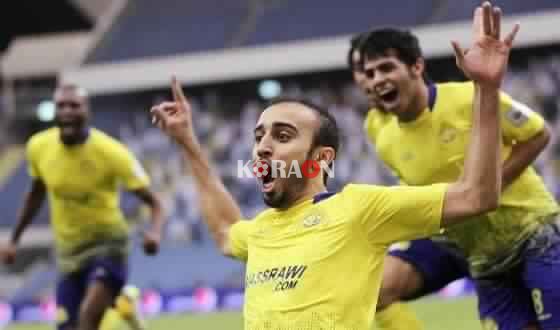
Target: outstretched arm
[(478, 190), (219, 209)]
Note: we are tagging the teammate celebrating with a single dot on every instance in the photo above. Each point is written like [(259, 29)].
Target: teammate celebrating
[(300, 250), (507, 250), (81, 170), (411, 269)]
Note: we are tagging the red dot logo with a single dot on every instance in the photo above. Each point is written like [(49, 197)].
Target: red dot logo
[(310, 168), (260, 169)]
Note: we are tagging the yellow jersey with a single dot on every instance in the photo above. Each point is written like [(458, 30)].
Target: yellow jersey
[(431, 149), (318, 264), (83, 183)]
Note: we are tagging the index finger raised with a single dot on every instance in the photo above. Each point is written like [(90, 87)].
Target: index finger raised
[(178, 95)]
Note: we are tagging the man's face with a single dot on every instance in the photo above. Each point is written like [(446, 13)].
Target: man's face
[(391, 84), (284, 133), (72, 114)]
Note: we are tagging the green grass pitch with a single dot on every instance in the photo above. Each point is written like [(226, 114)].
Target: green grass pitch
[(437, 314)]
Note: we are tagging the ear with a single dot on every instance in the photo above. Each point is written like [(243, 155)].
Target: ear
[(325, 154), (418, 67)]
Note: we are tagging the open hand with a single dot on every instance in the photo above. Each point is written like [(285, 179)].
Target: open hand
[(486, 61)]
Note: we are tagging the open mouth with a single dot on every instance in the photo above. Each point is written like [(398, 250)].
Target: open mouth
[(389, 96), (263, 171), (267, 182)]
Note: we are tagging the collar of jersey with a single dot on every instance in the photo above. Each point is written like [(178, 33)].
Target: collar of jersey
[(303, 204), (432, 96)]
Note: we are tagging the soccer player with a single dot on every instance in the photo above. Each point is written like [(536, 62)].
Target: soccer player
[(411, 269), (314, 259), (421, 130), (81, 170)]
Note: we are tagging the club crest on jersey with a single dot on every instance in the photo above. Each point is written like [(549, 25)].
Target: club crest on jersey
[(518, 114), (447, 134), (311, 220), (516, 117)]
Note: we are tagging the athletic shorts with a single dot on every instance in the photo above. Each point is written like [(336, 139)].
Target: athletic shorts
[(71, 288), (437, 266), (529, 293)]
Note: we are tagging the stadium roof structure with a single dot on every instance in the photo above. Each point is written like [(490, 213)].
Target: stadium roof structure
[(285, 58), (28, 57)]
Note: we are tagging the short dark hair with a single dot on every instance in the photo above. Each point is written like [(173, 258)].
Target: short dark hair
[(355, 45), (327, 135), (381, 42)]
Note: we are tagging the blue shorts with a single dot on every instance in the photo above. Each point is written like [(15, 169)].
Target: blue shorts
[(527, 294), (437, 266), (71, 288)]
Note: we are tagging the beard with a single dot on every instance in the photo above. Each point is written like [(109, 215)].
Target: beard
[(285, 198), (288, 191)]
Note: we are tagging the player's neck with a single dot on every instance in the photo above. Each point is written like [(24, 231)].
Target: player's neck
[(313, 189), (79, 139), (418, 104)]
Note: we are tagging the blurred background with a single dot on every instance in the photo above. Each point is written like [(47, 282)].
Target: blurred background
[(231, 56)]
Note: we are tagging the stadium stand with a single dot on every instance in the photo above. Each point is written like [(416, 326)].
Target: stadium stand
[(180, 27)]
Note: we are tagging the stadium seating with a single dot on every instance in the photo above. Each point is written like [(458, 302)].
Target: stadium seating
[(182, 27)]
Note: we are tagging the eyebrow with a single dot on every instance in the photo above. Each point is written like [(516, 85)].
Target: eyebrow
[(277, 125)]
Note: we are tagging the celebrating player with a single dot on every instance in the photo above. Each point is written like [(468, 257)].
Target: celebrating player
[(411, 269), (81, 169), (421, 130), (314, 259)]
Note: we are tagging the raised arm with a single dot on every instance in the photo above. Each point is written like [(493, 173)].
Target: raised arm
[(219, 209), (478, 190)]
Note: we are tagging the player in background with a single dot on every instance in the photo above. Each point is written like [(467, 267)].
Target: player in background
[(301, 253), (411, 269), (420, 130), (81, 170)]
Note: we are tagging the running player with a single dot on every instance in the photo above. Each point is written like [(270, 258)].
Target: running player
[(81, 170), (420, 130), (411, 269), (301, 254)]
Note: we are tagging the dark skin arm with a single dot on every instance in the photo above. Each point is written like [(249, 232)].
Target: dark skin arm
[(152, 237), (522, 155), (32, 204)]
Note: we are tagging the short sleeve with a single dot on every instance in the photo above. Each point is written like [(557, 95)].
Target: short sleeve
[(31, 157), (399, 213), (131, 173), (519, 122), (238, 239)]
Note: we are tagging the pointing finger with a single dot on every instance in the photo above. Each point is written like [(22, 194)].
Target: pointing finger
[(178, 95)]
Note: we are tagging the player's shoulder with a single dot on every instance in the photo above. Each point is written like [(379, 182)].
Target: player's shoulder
[(108, 142), (354, 192), (43, 138), (375, 120), (455, 88), (264, 216)]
